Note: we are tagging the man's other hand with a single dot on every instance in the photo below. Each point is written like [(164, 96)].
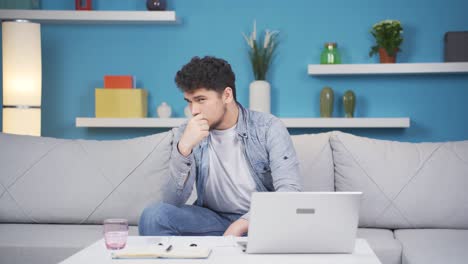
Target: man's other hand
[(238, 228)]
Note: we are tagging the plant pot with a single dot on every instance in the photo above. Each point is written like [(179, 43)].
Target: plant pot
[(259, 96), (385, 58)]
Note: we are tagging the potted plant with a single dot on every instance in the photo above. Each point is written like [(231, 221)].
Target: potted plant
[(387, 34), (261, 53)]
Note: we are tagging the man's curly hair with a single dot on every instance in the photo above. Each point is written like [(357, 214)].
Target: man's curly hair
[(208, 72)]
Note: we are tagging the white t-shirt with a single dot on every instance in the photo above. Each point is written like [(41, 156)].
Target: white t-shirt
[(229, 185)]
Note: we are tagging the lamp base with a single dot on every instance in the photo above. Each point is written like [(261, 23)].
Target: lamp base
[(22, 121)]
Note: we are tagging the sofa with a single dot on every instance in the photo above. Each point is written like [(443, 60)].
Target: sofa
[(55, 193)]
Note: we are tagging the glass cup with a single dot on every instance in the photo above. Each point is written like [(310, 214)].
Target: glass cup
[(115, 233)]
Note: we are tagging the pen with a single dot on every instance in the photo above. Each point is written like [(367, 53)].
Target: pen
[(169, 248)]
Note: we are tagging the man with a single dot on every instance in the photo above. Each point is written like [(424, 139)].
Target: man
[(228, 151)]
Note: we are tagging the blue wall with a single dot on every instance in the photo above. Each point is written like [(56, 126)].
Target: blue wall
[(76, 57)]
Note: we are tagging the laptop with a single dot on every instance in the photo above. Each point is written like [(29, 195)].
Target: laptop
[(303, 222)]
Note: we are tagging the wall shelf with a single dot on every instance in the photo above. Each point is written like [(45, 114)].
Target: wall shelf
[(128, 122), (340, 122), (91, 17), (334, 122), (388, 68)]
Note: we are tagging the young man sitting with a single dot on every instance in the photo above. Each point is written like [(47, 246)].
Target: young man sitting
[(228, 151)]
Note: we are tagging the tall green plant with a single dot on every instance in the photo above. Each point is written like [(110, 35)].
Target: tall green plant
[(261, 51), (387, 34)]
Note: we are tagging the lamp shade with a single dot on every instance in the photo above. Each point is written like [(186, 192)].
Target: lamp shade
[(22, 76)]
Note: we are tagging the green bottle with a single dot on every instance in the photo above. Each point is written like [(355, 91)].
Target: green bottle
[(326, 102), (330, 54), (349, 103)]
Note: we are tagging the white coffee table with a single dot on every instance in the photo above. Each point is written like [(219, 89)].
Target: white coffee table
[(224, 251)]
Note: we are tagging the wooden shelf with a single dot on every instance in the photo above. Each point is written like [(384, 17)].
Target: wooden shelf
[(91, 17), (288, 122), (388, 68)]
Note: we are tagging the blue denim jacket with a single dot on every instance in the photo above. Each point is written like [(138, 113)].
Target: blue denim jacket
[(267, 146)]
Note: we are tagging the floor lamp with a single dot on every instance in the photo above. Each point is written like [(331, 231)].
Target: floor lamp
[(22, 77)]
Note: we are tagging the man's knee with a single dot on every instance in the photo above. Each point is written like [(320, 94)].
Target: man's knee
[(154, 220)]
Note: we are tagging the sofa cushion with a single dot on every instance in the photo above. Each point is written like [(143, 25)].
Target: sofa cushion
[(46, 180), (36, 243), (433, 246), (316, 161), (383, 243), (404, 185)]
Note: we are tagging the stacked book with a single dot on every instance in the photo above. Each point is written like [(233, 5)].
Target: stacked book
[(120, 98)]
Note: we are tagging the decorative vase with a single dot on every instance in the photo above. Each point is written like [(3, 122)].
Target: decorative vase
[(349, 103), (326, 102), (83, 5), (187, 112), (156, 5), (164, 110), (385, 58), (330, 54), (259, 96)]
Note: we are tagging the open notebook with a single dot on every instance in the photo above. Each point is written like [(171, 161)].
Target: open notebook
[(181, 253)]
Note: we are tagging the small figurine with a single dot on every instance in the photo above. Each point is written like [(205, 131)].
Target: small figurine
[(164, 110)]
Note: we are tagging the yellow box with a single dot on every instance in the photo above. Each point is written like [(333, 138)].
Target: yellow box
[(121, 102)]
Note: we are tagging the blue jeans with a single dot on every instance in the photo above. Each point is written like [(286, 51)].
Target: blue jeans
[(162, 219)]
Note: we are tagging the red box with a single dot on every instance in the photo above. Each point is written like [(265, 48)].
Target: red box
[(118, 81)]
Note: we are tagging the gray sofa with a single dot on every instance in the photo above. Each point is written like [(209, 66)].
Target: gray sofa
[(55, 193)]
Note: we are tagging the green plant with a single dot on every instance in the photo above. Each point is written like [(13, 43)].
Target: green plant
[(260, 54), (387, 34)]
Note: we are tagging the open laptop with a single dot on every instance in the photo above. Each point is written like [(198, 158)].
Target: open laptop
[(303, 222)]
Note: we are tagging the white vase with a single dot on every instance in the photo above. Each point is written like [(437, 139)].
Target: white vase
[(187, 112), (164, 110), (259, 96)]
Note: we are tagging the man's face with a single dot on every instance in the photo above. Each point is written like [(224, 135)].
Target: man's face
[(209, 103)]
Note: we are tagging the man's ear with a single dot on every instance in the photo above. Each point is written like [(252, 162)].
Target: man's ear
[(228, 96)]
